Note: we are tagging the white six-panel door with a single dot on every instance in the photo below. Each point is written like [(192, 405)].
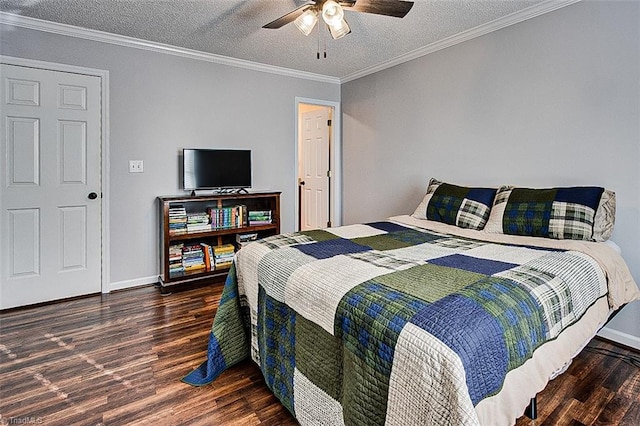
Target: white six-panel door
[(314, 156), (50, 134)]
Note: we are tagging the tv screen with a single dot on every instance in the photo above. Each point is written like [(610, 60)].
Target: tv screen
[(216, 168)]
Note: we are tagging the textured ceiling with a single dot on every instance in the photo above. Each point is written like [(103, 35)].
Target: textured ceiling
[(232, 28)]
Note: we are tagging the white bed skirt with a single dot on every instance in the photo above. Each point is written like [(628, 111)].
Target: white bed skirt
[(548, 361)]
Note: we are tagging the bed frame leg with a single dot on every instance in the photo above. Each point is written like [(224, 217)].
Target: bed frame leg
[(532, 409)]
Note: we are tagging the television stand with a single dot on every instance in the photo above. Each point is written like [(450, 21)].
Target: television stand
[(188, 252)]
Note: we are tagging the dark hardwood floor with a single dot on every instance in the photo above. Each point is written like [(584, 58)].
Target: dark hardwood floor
[(117, 359)]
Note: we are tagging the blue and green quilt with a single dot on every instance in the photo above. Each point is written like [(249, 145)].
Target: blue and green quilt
[(387, 323)]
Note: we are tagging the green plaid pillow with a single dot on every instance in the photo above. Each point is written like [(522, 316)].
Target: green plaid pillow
[(456, 205), (560, 213)]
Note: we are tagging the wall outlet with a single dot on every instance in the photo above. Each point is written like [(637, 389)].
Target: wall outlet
[(136, 166)]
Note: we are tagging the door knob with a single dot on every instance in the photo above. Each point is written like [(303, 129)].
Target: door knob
[(93, 195), (301, 183)]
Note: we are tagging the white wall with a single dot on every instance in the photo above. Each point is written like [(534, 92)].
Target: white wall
[(552, 101), (160, 104)]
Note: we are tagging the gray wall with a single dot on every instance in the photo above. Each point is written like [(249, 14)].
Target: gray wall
[(160, 104), (552, 101)]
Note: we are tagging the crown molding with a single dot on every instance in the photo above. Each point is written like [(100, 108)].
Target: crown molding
[(120, 40), (101, 36), (480, 30)]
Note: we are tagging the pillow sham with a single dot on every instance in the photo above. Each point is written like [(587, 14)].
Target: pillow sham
[(605, 216), (456, 205), (559, 213)]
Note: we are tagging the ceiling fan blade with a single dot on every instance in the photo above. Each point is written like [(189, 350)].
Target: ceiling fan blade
[(396, 8), (289, 17)]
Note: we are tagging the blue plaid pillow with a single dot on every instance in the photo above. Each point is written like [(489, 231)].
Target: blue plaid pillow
[(560, 213), (456, 205)]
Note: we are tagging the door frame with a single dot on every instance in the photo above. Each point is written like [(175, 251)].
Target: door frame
[(335, 159), (104, 146)]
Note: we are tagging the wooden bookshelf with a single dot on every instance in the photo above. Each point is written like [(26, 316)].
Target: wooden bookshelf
[(215, 237)]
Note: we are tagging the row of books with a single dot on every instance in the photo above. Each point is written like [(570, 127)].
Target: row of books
[(195, 258), (181, 222), (228, 217), (259, 217)]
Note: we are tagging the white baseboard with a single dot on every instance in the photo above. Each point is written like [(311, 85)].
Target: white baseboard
[(121, 285), (620, 337)]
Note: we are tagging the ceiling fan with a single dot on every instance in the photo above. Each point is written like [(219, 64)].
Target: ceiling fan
[(306, 16)]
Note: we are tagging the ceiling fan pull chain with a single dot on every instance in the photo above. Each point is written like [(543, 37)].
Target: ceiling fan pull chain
[(324, 42), (318, 54)]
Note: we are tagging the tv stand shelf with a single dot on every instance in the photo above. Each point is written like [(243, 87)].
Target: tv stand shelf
[(195, 235), (174, 240)]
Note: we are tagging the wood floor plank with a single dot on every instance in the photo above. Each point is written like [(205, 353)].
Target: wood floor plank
[(118, 359), (614, 411), (632, 416), (590, 410), (548, 401)]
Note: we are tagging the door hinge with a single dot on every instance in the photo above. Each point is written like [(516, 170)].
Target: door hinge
[(329, 122), (328, 224), (328, 173)]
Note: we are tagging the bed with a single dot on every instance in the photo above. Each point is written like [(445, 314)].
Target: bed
[(458, 314)]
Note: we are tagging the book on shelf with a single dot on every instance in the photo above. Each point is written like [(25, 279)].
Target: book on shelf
[(242, 215), (208, 256), (175, 260), (259, 213), (177, 220), (260, 222), (177, 210), (223, 255), (197, 222), (243, 239), (259, 217), (192, 269), (193, 258)]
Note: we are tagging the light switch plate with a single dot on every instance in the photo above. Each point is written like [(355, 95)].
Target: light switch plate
[(136, 166)]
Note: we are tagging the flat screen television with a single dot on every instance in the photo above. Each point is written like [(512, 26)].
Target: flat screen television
[(217, 169)]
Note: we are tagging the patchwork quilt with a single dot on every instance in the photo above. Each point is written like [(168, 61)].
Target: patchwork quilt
[(388, 323)]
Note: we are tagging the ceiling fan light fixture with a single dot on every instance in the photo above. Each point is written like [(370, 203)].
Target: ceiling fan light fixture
[(332, 13), (340, 30), (307, 21)]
